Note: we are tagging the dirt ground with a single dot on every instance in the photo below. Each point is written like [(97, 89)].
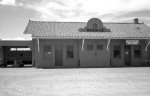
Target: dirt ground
[(133, 81)]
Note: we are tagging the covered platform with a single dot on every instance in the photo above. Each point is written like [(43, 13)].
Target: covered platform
[(15, 53)]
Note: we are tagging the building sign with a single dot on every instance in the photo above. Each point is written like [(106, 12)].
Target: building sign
[(93, 30), (98, 30), (132, 42)]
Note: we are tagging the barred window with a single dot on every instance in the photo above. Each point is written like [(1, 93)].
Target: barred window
[(69, 51), (47, 51), (117, 51), (100, 47), (89, 47), (137, 51), (95, 26)]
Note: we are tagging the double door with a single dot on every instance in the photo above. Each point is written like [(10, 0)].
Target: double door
[(95, 55)]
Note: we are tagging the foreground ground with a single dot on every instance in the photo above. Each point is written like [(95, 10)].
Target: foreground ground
[(133, 81)]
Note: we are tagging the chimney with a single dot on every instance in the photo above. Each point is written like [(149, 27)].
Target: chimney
[(136, 21)]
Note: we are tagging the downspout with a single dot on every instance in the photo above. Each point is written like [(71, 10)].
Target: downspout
[(147, 46), (38, 44), (108, 43), (82, 44)]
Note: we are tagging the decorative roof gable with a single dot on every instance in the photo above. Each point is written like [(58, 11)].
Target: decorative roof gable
[(94, 25)]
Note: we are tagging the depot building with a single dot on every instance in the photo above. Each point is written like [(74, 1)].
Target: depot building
[(89, 44)]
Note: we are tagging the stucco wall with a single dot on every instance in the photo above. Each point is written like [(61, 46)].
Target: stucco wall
[(117, 62), (67, 62), (84, 58)]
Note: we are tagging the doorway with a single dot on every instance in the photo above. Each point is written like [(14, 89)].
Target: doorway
[(58, 55), (127, 55)]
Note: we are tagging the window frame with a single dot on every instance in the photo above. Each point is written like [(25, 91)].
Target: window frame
[(118, 55), (88, 47), (95, 26), (138, 48), (69, 51), (101, 47), (46, 50)]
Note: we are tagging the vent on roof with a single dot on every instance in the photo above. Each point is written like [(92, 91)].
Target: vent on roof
[(94, 25), (136, 21)]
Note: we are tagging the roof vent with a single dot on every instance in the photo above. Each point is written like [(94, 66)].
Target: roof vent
[(136, 21)]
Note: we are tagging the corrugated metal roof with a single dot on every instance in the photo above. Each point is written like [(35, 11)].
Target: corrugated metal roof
[(70, 30)]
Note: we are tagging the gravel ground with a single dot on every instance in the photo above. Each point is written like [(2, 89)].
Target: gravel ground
[(134, 81)]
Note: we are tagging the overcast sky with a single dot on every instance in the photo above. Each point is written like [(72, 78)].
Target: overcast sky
[(15, 14)]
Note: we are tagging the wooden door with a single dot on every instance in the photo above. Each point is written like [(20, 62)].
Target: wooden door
[(101, 55), (127, 55), (58, 55)]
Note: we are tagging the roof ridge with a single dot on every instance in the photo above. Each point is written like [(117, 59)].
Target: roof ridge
[(79, 22), (119, 23), (56, 21)]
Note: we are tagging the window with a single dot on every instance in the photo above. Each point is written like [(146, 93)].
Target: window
[(47, 51), (137, 51), (70, 51), (117, 51), (100, 47), (94, 26), (89, 47)]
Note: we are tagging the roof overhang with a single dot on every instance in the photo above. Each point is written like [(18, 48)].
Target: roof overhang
[(135, 38), (15, 43)]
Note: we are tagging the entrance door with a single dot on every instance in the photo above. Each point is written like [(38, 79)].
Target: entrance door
[(58, 55), (127, 55), (90, 55)]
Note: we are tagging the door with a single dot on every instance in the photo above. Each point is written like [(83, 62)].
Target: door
[(90, 55), (102, 57), (127, 55), (58, 55), (1, 56)]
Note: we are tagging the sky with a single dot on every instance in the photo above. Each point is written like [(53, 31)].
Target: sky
[(15, 14)]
